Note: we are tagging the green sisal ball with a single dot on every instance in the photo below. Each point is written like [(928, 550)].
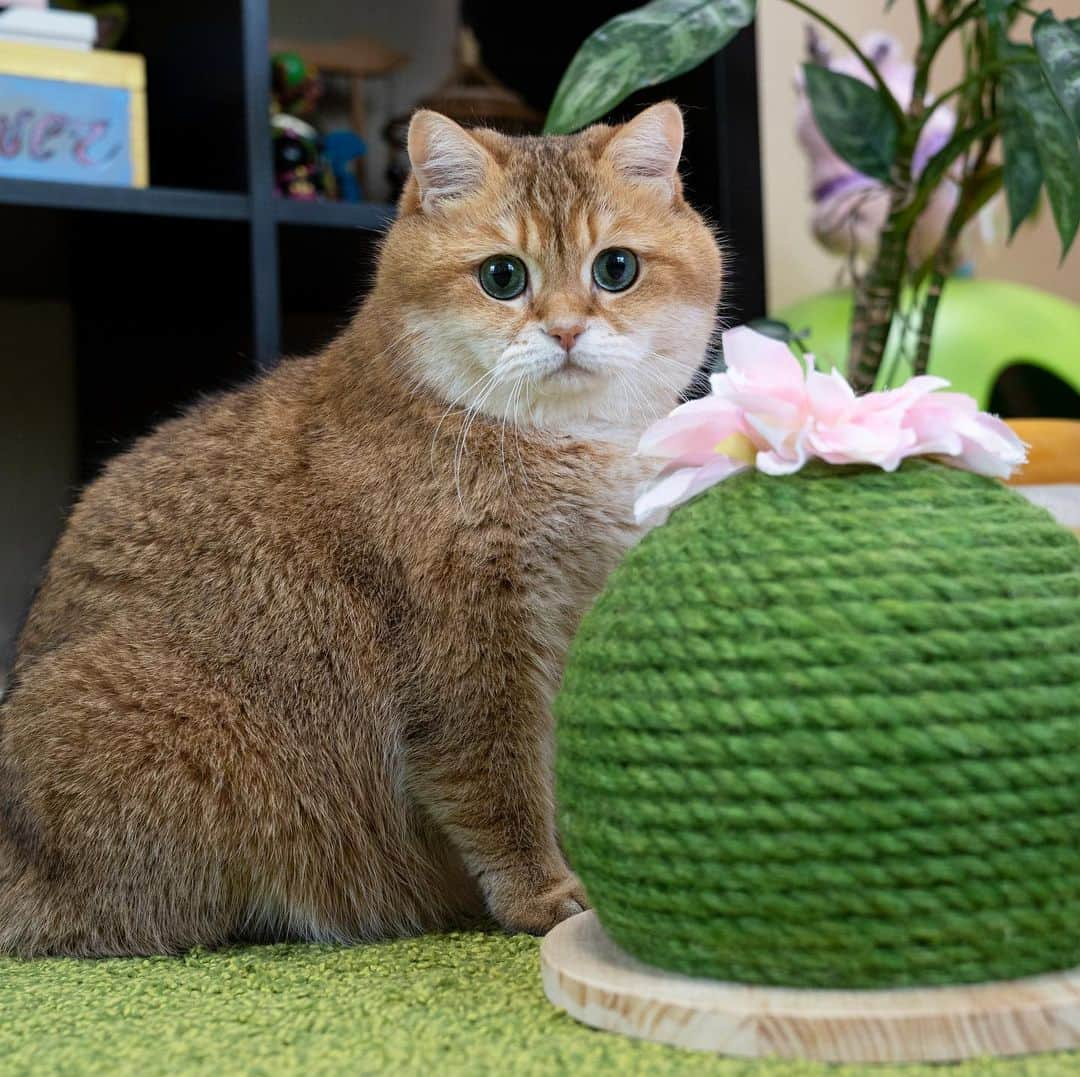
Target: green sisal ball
[(824, 731)]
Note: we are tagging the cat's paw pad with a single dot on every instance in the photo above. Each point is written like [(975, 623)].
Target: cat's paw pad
[(536, 912)]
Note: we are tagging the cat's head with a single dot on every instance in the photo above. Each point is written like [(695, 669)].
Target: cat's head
[(555, 281)]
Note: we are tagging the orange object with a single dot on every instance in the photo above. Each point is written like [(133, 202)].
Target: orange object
[(1054, 453)]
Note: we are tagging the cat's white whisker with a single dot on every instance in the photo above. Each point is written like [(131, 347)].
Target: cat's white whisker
[(470, 418), (519, 385), (449, 408)]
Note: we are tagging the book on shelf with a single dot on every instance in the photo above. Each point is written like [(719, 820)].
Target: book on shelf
[(52, 29)]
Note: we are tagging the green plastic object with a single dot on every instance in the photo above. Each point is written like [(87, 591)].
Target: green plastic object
[(983, 327), (291, 69), (824, 731)]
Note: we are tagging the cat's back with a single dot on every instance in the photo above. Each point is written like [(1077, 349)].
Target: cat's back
[(179, 510)]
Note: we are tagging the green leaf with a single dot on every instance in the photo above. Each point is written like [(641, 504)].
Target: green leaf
[(1000, 15), (1059, 54), (1023, 173), (854, 118), (1002, 12), (980, 190), (640, 48), (1055, 144)]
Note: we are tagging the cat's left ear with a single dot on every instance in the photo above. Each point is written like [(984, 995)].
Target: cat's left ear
[(648, 148), (446, 160)]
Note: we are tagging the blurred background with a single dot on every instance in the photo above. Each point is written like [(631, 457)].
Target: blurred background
[(796, 266), (231, 212)]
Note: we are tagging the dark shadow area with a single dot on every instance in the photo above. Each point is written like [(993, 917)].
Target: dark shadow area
[(1026, 391)]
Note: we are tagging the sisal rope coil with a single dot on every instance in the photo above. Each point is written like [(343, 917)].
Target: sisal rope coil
[(824, 731)]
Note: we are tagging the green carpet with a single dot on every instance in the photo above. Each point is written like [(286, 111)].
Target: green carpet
[(457, 1004)]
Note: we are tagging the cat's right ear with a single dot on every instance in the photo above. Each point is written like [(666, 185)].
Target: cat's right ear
[(446, 160), (647, 148)]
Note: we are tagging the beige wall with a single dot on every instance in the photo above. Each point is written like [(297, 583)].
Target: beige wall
[(796, 265)]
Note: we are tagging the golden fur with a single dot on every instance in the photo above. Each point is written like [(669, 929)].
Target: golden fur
[(288, 675)]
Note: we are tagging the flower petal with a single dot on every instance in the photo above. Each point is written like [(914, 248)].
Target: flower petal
[(770, 414), (692, 429), (989, 447), (754, 360), (678, 486), (830, 397)]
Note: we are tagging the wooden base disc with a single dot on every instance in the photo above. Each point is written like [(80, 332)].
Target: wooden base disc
[(595, 982)]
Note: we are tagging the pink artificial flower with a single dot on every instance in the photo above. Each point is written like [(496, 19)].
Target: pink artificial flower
[(767, 413)]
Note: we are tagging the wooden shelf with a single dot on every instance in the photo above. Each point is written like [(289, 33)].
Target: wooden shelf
[(372, 216), (155, 201)]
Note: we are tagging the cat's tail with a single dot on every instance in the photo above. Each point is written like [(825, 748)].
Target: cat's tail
[(22, 904), (39, 912), (43, 914), (17, 909)]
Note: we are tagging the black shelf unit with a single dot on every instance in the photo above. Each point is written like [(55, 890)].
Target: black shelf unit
[(206, 276), (183, 287), (369, 215), (152, 201)]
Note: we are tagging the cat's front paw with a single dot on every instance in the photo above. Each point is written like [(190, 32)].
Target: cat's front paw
[(521, 907)]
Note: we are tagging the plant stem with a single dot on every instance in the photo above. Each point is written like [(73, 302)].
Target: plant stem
[(974, 193), (876, 296), (927, 318), (966, 84), (878, 292), (937, 168), (972, 9), (847, 39)]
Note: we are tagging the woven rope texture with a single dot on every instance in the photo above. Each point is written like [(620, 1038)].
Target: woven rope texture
[(824, 731)]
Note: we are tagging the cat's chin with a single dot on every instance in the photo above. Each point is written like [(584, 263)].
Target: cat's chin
[(569, 407), (571, 375)]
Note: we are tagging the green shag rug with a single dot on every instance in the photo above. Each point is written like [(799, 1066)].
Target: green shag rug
[(440, 1005)]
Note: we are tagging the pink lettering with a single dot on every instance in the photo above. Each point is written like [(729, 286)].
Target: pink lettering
[(94, 131), (47, 128), (11, 132)]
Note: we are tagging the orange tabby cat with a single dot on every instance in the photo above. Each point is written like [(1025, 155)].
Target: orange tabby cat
[(289, 672)]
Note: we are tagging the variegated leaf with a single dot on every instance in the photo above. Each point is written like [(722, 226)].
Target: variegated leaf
[(640, 48), (1058, 47), (1054, 141), (855, 120)]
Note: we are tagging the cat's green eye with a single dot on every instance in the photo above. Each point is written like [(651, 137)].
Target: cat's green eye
[(615, 269), (504, 276)]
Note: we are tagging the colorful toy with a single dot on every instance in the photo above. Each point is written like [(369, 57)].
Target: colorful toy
[(297, 86), (342, 150), (298, 168)]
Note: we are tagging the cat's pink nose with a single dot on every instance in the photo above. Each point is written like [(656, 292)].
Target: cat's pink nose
[(566, 335)]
